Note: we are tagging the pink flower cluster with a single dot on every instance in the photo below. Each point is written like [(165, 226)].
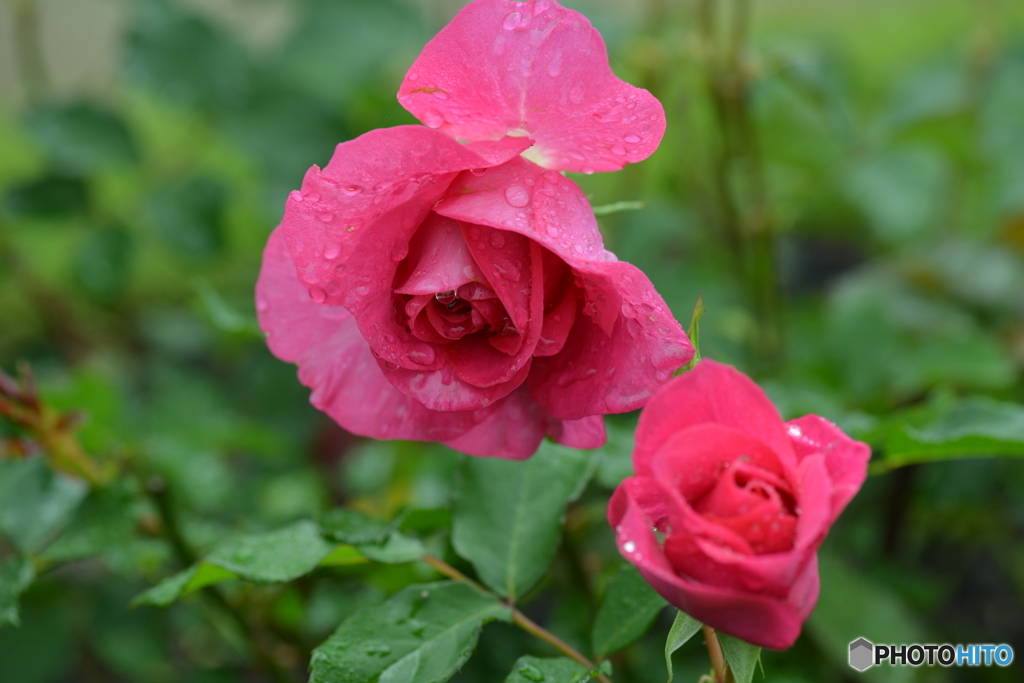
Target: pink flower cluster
[(447, 282)]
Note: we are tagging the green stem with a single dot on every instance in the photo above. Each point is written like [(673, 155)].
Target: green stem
[(518, 618)]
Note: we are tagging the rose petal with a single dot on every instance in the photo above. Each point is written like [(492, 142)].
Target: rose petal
[(381, 183), (438, 260), (512, 431), (335, 361), (587, 432), (754, 617), (627, 330), (845, 459), (535, 68), (709, 393)]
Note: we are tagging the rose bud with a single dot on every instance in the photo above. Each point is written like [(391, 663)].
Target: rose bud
[(729, 503)]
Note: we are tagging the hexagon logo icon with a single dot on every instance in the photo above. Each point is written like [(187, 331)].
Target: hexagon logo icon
[(861, 654)]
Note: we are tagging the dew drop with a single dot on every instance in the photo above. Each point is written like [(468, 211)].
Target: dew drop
[(629, 546), (517, 196), (576, 155), (332, 250), (352, 190), (446, 297), (632, 139), (497, 239), (400, 251), (511, 21), (531, 672), (587, 170), (318, 295), (618, 150), (421, 354), (295, 196), (325, 217), (441, 94), (432, 118), (552, 230)]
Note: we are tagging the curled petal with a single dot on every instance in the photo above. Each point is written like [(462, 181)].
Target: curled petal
[(846, 460), (715, 393), (766, 620), (532, 68), (514, 430), (375, 190), (624, 343), (335, 361)]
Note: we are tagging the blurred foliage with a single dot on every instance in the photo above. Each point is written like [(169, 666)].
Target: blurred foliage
[(890, 143)]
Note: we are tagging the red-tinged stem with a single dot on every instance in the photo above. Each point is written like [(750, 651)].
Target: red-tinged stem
[(518, 618)]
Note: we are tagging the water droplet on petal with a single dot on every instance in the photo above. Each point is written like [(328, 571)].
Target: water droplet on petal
[(400, 251), (552, 230), (632, 138), (325, 217), (517, 196), (352, 190), (295, 196), (511, 21), (318, 295), (421, 354), (441, 94), (629, 546), (332, 250), (618, 150), (432, 118), (497, 239), (587, 170), (446, 297)]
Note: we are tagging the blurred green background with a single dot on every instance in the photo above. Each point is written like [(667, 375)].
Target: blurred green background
[(147, 146)]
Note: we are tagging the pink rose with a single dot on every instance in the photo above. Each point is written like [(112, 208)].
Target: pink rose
[(431, 289), (741, 500)]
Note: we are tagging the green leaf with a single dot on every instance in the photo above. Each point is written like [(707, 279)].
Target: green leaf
[(52, 196), (683, 628), (741, 656), (103, 261), (508, 514), (627, 610), (422, 634), (852, 606), (530, 669), (424, 520), (170, 51), (81, 137), (346, 525), (105, 519), (16, 574), (35, 502), (974, 427), (614, 460), (397, 549), (694, 331), (188, 216), (272, 557)]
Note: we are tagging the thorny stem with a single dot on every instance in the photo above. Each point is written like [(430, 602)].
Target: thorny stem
[(158, 491), (518, 618), (715, 653)]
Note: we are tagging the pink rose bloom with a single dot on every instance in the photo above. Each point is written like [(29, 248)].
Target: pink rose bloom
[(740, 499), (432, 289)]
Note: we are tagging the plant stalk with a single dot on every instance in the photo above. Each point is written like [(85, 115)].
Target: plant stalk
[(518, 618)]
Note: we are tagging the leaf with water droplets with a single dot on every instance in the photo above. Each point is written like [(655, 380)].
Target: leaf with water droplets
[(682, 630), (275, 556), (508, 514), (627, 611), (530, 669), (424, 633)]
